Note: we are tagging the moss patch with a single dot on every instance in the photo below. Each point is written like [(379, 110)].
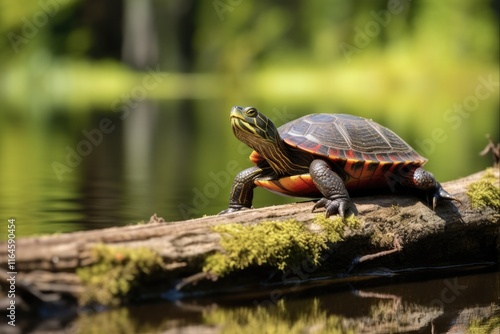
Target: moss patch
[(484, 326), (485, 192), (275, 243), (382, 239), (115, 273)]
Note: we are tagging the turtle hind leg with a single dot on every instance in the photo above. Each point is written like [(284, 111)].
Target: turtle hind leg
[(425, 181)]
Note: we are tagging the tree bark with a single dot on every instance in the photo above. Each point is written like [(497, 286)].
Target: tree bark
[(455, 234)]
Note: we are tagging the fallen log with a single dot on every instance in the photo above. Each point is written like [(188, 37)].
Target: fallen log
[(157, 257)]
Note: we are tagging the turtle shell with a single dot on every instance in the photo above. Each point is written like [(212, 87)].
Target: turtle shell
[(364, 153), (347, 137)]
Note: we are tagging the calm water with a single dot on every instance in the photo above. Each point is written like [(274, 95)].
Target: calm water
[(456, 304), (69, 172)]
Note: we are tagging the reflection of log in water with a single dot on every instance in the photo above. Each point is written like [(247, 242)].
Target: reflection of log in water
[(453, 234), (312, 315), (384, 318), (396, 308), (390, 314)]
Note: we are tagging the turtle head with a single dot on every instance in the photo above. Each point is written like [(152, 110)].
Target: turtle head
[(253, 128)]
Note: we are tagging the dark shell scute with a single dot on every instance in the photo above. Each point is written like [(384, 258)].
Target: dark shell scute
[(322, 149), (340, 136), (310, 130), (365, 138)]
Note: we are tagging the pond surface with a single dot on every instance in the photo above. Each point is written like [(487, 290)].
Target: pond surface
[(68, 172), (455, 304)]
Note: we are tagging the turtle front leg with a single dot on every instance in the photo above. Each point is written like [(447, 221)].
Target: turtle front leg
[(424, 180), (336, 198), (242, 190)]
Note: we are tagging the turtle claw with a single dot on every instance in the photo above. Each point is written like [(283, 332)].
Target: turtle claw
[(233, 208), (425, 181), (338, 205), (440, 194)]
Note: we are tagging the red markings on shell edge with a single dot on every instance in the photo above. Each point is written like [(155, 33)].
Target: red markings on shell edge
[(255, 157), (354, 168), (333, 153), (295, 185), (349, 154)]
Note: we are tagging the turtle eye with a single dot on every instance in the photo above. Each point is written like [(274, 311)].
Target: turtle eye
[(251, 112)]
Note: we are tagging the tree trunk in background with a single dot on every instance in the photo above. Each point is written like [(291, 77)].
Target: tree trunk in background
[(140, 45), (140, 51)]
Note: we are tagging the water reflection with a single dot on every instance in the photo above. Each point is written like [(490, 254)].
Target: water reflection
[(77, 172), (456, 304)]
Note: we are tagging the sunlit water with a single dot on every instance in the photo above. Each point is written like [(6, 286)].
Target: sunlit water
[(69, 173)]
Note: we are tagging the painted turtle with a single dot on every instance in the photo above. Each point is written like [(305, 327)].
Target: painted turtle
[(325, 156)]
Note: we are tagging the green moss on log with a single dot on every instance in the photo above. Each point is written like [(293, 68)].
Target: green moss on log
[(278, 244), (485, 325), (116, 272), (485, 192)]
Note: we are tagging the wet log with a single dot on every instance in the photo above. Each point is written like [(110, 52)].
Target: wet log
[(402, 226)]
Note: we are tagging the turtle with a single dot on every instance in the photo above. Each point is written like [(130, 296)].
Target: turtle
[(325, 156)]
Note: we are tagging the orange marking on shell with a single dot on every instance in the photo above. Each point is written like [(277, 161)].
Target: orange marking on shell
[(355, 168), (349, 154), (296, 185), (255, 157), (299, 184), (333, 153), (369, 169), (269, 185)]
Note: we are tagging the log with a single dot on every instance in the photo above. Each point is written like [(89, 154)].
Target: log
[(401, 228)]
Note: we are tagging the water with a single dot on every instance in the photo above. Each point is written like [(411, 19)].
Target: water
[(68, 172), (455, 304)]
